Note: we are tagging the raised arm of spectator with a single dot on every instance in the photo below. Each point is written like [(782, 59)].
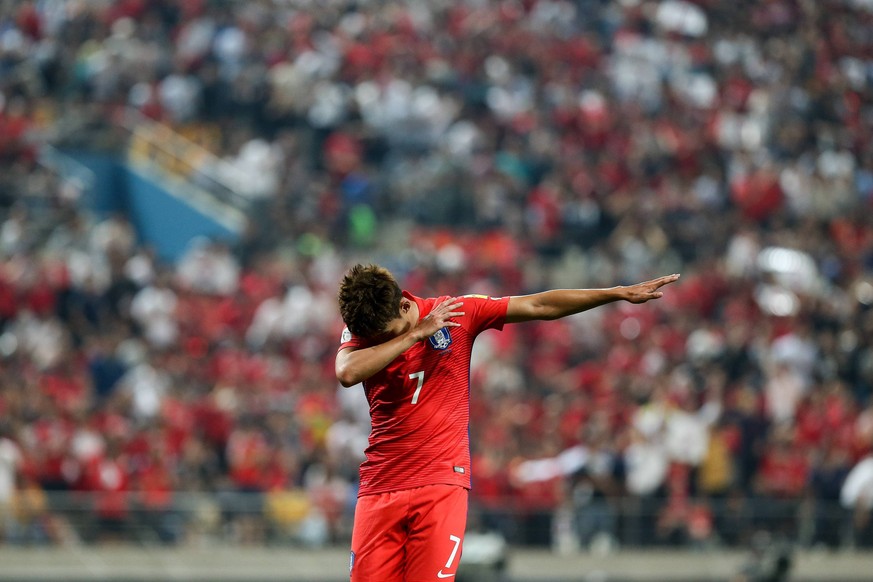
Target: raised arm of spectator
[(558, 303)]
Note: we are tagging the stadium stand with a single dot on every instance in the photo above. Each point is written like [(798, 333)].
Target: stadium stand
[(496, 147)]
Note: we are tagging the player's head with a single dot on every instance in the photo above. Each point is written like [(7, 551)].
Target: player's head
[(369, 300)]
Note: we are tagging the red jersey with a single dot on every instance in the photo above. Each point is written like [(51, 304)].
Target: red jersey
[(420, 403)]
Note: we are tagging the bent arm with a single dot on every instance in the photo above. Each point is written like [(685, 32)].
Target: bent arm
[(559, 303), (356, 365)]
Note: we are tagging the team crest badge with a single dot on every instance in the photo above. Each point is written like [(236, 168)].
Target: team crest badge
[(441, 339)]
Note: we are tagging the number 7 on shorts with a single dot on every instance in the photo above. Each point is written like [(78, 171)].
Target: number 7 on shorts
[(457, 541)]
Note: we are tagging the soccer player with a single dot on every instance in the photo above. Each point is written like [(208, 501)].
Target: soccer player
[(413, 357)]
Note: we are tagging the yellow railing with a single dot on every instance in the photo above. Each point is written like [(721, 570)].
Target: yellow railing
[(162, 148)]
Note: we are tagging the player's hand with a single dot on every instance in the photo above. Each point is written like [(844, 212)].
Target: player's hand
[(642, 292), (440, 316)]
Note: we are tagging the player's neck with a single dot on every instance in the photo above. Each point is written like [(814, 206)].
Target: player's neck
[(409, 317)]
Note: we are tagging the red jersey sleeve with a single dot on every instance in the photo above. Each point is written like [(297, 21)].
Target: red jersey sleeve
[(347, 340), (484, 312)]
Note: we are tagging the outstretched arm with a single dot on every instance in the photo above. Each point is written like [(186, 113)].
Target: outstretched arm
[(559, 303)]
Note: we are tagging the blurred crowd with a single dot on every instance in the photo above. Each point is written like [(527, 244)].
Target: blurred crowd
[(494, 147)]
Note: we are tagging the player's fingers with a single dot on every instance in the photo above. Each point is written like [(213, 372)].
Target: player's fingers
[(661, 281), (452, 312)]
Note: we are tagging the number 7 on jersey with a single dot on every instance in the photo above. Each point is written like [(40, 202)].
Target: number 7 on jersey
[(420, 377)]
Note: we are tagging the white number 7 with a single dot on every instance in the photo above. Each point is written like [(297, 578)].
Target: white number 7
[(420, 377), (457, 542)]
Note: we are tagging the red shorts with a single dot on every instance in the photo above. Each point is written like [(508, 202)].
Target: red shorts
[(413, 535)]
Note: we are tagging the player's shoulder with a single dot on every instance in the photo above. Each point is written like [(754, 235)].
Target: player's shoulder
[(480, 297), (475, 296), (350, 340)]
